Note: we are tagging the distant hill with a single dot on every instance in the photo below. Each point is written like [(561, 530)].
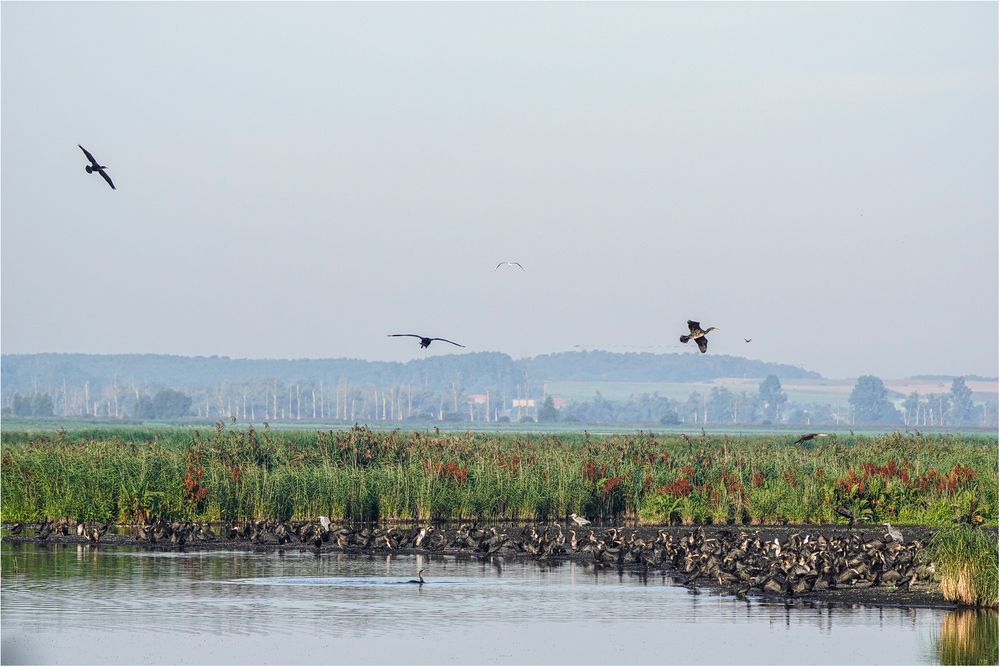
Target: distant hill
[(475, 372)]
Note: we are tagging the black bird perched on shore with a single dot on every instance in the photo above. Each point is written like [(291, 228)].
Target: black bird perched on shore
[(847, 514), (698, 335), (811, 436), (93, 166), (425, 341)]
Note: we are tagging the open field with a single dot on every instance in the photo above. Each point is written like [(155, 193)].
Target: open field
[(126, 475), (832, 391)]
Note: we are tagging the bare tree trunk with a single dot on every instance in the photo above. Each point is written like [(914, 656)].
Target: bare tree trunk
[(314, 403), (298, 402)]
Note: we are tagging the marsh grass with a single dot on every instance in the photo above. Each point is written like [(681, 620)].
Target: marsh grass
[(359, 474), (965, 558)]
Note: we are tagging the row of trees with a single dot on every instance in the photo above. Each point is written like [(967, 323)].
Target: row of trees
[(869, 403)]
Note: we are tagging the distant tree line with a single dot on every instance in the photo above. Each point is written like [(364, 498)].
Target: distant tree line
[(473, 388)]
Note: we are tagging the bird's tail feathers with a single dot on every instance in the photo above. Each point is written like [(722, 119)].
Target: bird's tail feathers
[(685, 339)]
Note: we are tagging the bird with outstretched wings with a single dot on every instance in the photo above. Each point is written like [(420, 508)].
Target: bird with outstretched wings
[(425, 341), (517, 264), (95, 167)]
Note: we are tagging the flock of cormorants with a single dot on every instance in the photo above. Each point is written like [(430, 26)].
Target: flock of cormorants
[(739, 561)]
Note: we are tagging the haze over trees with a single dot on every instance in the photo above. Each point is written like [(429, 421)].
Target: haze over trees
[(475, 387)]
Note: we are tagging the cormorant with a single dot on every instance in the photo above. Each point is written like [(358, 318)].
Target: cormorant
[(810, 436), (698, 335), (420, 575), (93, 166), (425, 341)]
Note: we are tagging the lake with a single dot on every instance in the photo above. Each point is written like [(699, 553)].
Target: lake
[(82, 604)]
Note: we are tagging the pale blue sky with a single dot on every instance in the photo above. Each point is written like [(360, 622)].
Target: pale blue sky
[(299, 180)]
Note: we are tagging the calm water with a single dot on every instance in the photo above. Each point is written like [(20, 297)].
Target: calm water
[(85, 605)]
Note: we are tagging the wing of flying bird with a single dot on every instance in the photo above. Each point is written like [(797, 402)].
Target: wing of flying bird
[(448, 341), (702, 343), (107, 178), (89, 156), (693, 326)]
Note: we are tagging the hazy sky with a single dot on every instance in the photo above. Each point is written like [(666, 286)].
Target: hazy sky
[(299, 180)]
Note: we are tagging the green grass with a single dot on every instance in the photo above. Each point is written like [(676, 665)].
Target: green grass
[(965, 559), (129, 473)]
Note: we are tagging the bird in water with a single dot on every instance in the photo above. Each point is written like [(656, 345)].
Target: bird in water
[(579, 520), (94, 166), (420, 576), (511, 264), (811, 436), (698, 335), (425, 341)]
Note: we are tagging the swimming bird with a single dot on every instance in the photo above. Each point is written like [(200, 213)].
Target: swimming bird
[(698, 335), (811, 436), (425, 341), (93, 166), (579, 520), (894, 533), (420, 575), (517, 264)]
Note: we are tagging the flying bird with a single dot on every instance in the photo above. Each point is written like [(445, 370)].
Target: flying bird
[(517, 264), (93, 166), (747, 340), (810, 436), (425, 341), (698, 335)]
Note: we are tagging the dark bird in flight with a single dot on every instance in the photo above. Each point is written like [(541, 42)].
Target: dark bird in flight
[(747, 340), (93, 166), (698, 335), (517, 264), (810, 436), (425, 341)]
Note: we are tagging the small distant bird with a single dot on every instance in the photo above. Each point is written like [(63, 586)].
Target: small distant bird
[(811, 436), (420, 575), (93, 166), (894, 533), (579, 520), (698, 335), (517, 264), (747, 340), (425, 341)]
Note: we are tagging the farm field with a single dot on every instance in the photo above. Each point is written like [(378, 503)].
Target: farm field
[(129, 475), (833, 391)]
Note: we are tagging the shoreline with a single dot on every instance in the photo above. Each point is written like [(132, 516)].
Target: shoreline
[(918, 595)]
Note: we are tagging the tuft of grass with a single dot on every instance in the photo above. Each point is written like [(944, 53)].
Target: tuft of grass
[(966, 559)]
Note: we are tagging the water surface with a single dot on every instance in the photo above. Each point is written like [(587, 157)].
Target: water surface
[(98, 605)]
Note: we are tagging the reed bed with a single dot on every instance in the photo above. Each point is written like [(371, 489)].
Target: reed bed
[(360, 474), (965, 558)]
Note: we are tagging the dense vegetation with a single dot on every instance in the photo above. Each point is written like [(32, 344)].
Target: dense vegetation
[(360, 474)]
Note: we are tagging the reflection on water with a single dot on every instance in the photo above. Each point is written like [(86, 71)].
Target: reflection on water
[(969, 637), (86, 605)]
